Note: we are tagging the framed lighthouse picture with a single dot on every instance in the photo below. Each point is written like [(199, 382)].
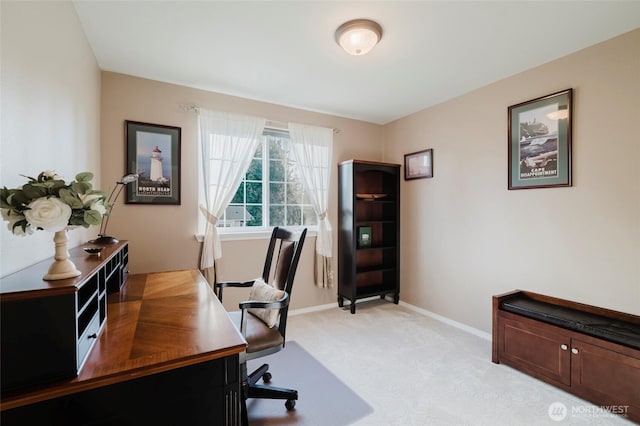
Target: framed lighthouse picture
[(153, 152)]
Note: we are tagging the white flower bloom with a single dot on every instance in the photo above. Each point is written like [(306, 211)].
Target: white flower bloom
[(94, 201), (50, 214), (50, 174), (12, 218), (49, 211)]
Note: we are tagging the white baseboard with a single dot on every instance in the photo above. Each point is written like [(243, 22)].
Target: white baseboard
[(449, 321), (312, 309), (327, 306)]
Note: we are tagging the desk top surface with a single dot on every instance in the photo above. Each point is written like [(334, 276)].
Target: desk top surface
[(157, 322)]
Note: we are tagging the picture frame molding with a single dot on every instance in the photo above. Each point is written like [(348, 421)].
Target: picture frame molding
[(412, 171), (519, 167), (134, 146)]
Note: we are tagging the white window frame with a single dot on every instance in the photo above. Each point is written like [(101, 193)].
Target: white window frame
[(260, 232)]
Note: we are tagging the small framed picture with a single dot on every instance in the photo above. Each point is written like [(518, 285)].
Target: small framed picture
[(153, 151), (540, 142), (418, 165), (364, 236)]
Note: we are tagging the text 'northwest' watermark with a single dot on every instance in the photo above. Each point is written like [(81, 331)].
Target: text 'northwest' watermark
[(558, 411)]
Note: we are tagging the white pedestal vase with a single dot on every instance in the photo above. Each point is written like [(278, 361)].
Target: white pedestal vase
[(62, 267)]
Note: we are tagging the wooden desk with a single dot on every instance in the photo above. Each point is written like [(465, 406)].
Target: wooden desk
[(169, 354)]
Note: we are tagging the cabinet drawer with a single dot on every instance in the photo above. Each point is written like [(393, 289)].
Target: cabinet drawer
[(538, 349), (606, 374), (87, 339)]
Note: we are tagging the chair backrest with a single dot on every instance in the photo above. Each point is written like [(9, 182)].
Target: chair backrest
[(281, 264)]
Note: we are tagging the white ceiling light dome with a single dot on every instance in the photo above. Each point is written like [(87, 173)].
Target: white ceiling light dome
[(358, 36)]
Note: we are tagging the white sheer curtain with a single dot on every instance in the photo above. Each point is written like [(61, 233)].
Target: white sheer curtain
[(312, 150), (227, 144)]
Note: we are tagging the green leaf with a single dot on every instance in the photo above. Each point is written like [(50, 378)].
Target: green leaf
[(57, 183), (9, 199), (21, 224), (4, 197), (94, 191), (18, 198), (77, 221), (81, 187), (29, 177), (92, 217), (68, 197), (84, 176), (31, 192)]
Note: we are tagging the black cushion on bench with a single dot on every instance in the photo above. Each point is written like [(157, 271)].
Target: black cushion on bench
[(611, 329)]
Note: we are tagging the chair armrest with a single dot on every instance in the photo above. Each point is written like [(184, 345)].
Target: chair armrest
[(220, 285), (276, 304)]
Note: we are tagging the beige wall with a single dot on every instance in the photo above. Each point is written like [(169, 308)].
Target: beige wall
[(50, 111), (162, 237), (465, 237)]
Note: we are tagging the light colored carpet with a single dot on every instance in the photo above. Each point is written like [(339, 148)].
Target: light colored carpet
[(323, 399), (414, 370)]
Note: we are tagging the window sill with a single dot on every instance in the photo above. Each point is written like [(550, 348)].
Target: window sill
[(253, 234)]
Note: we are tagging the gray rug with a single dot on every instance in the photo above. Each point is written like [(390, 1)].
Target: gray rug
[(323, 400)]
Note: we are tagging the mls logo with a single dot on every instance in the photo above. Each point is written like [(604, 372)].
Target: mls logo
[(557, 411)]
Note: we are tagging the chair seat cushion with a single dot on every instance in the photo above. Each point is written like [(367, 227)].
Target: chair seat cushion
[(258, 335), (263, 292)]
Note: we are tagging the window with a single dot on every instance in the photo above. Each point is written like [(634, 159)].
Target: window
[(270, 193)]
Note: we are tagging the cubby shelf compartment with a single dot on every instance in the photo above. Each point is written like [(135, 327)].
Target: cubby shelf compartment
[(48, 328), (368, 270)]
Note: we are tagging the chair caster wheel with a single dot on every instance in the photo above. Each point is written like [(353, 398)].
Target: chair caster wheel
[(266, 377), (290, 404)]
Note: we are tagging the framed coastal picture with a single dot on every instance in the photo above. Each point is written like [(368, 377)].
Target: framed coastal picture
[(539, 142), (153, 151), (418, 165)]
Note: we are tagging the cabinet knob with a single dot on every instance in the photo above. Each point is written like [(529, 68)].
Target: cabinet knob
[(92, 336), (574, 350), (564, 347)]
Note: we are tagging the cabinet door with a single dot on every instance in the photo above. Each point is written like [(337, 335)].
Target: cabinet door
[(606, 375), (537, 349)]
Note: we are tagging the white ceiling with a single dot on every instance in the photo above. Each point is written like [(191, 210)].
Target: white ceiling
[(284, 52)]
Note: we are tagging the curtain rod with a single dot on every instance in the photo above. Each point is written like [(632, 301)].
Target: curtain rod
[(272, 124)]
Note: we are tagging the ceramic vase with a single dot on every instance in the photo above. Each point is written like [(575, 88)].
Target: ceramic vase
[(62, 267)]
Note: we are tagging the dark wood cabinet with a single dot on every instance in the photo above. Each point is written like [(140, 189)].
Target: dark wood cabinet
[(49, 327), (592, 367), (536, 349), (368, 231), (168, 355), (606, 375)]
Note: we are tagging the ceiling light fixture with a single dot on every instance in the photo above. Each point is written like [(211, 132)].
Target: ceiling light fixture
[(358, 36)]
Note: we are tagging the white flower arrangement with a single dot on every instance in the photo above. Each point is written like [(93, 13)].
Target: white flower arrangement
[(51, 204)]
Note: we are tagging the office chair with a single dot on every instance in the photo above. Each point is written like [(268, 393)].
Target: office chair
[(263, 320)]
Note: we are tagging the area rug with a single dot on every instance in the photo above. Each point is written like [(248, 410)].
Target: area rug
[(323, 400)]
